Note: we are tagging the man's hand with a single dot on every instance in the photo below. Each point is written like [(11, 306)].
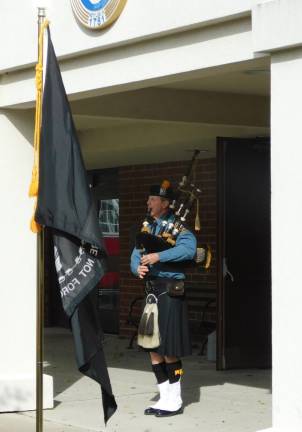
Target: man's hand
[(149, 259), (142, 270)]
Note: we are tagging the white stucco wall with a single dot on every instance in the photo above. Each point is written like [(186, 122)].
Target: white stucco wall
[(152, 60), (139, 20), (286, 72), (276, 24), (18, 269), (277, 30)]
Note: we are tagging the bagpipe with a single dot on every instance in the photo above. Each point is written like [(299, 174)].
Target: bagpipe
[(186, 195)]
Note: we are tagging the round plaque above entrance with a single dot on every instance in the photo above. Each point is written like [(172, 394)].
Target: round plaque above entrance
[(97, 14)]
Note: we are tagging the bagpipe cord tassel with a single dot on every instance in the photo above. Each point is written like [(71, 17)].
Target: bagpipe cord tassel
[(197, 219)]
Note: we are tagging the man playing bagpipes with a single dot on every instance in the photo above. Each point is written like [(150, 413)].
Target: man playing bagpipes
[(162, 250)]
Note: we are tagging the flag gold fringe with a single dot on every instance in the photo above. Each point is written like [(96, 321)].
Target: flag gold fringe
[(34, 226), (34, 184)]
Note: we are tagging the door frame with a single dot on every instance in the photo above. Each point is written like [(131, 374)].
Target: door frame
[(220, 201)]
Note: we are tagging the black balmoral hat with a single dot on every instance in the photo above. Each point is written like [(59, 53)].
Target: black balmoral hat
[(163, 190)]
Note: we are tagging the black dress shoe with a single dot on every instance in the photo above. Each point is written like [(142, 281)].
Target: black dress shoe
[(164, 413), (150, 411)]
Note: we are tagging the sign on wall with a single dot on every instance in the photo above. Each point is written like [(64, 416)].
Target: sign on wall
[(97, 14)]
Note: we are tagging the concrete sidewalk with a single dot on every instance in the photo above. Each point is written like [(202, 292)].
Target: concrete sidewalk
[(231, 401)]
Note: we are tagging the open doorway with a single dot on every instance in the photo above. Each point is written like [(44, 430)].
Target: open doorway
[(243, 253)]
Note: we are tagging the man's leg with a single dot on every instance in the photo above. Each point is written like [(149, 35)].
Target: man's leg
[(174, 372), (159, 369)]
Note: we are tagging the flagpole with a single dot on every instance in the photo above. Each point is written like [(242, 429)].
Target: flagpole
[(39, 332), (40, 300)]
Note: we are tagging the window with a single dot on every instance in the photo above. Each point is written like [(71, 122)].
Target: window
[(109, 217)]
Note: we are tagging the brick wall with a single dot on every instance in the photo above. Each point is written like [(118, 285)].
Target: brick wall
[(134, 183)]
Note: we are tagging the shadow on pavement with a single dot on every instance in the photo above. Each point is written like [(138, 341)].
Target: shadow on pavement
[(199, 373)]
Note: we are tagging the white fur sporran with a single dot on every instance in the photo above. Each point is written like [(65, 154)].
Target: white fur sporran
[(148, 330)]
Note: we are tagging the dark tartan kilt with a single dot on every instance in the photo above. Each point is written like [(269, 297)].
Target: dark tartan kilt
[(173, 326)]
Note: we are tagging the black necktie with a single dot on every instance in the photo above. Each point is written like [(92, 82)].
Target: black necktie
[(153, 227)]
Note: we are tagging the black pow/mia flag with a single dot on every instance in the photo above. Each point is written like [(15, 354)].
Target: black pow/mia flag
[(65, 206)]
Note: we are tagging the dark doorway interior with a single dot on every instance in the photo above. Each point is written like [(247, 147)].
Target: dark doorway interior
[(244, 253)]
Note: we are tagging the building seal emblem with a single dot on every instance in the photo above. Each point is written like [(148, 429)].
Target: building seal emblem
[(97, 14)]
